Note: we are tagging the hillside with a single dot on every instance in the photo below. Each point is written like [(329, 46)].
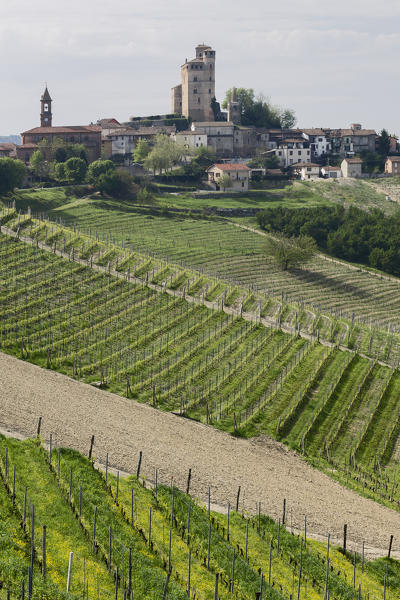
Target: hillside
[(245, 377), (125, 538)]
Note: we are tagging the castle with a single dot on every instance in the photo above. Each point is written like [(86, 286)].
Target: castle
[(192, 97)]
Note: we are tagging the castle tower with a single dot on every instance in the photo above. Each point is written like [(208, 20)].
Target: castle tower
[(193, 97), (46, 116), (234, 115)]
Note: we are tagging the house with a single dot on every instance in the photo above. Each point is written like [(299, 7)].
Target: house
[(392, 165), (291, 151), (191, 139), (219, 135), (329, 172), (351, 167), (320, 144), (305, 170), (347, 142), (238, 173), (8, 150), (122, 141)]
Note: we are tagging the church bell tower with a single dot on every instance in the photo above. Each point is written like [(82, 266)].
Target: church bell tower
[(46, 116)]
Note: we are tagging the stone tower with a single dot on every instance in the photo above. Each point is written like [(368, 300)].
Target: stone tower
[(234, 115), (192, 98), (46, 116)]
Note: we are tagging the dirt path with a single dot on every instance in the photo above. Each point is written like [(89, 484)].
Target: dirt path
[(266, 470)]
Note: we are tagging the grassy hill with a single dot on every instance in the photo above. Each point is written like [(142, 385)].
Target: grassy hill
[(125, 538)]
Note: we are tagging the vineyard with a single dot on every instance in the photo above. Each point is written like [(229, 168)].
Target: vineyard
[(235, 374), (220, 249), (216, 261), (71, 531)]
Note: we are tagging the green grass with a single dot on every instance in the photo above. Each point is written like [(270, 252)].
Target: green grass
[(66, 490)]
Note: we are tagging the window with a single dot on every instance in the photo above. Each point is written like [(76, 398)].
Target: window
[(198, 100), (217, 174), (46, 107), (280, 153), (291, 153), (299, 152), (308, 168), (195, 91), (195, 78), (209, 91)]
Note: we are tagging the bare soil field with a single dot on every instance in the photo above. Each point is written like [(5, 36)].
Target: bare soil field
[(266, 470)]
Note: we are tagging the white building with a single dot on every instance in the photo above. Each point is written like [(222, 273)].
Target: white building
[(329, 172), (305, 170), (291, 151), (191, 139), (319, 143)]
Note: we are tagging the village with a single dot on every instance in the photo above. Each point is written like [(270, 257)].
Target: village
[(242, 152)]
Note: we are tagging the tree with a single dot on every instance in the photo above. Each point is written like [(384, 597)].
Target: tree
[(268, 161), (258, 111), (118, 184), (164, 155), (97, 168), (289, 252), (12, 174), (225, 182), (75, 170), (141, 151), (384, 143), (59, 172), (39, 165)]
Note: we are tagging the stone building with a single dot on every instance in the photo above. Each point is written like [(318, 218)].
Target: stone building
[(192, 97), (239, 175), (392, 165), (351, 167), (88, 135)]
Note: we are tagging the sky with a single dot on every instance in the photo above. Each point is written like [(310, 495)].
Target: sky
[(333, 63)]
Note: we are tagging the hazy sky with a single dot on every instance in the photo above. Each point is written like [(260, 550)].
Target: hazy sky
[(334, 63)]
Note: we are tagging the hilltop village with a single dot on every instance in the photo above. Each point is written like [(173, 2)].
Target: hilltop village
[(197, 121)]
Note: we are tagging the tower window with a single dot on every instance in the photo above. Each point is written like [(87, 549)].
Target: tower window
[(46, 107)]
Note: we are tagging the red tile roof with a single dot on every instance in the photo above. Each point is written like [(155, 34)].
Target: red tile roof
[(353, 161), (65, 129), (229, 167)]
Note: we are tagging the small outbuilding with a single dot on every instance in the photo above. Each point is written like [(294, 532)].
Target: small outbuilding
[(329, 172), (352, 167)]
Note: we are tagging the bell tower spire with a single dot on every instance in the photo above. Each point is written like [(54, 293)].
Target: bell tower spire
[(46, 116)]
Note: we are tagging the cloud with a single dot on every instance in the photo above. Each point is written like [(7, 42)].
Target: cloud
[(322, 59)]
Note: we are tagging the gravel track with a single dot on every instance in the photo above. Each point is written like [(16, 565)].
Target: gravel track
[(266, 470)]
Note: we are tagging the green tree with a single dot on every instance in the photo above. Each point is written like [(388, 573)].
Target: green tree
[(225, 182), (141, 151), (75, 170), (39, 165), (258, 111), (118, 184), (384, 143), (290, 252), (165, 154), (97, 168), (12, 174), (59, 172)]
